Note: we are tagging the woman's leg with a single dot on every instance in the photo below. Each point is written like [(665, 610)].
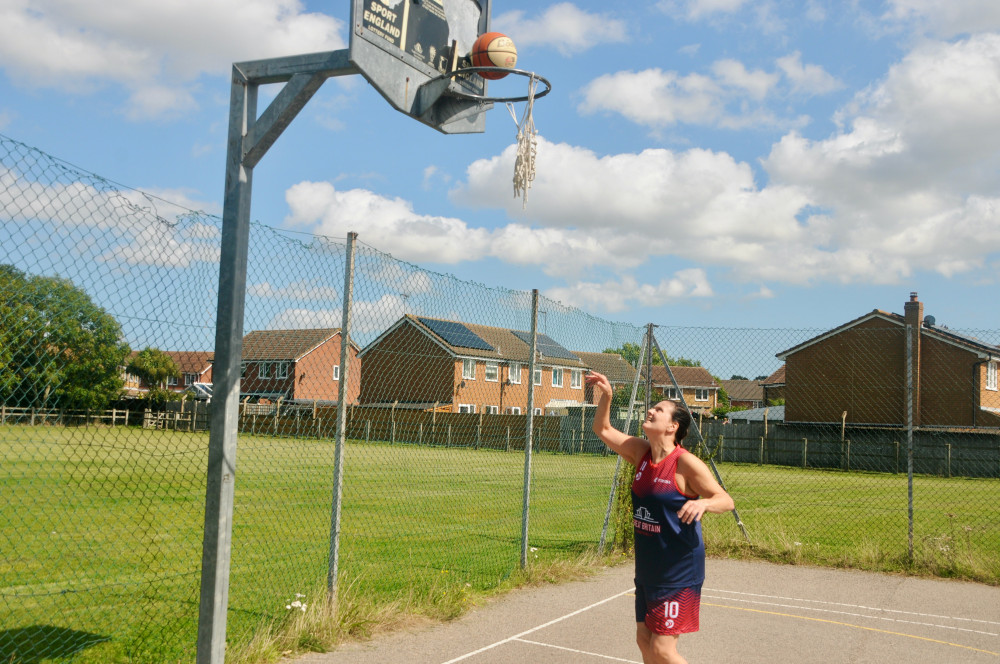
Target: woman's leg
[(657, 648)]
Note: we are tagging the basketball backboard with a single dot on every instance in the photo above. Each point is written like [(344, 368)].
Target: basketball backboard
[(401, 45)]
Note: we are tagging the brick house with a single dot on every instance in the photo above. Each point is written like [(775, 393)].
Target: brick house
[(195, 367), (743, 393), (700, 390), (296, 366), (619, 372), (860, 368), (774, 386), (429, 363)]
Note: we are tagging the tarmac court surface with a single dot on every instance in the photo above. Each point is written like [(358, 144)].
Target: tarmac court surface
[(750, 612)]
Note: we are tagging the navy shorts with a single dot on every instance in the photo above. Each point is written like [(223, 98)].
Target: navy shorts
[(668, 610)]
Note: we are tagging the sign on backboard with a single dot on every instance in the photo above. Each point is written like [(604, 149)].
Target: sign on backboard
[(400, 45)]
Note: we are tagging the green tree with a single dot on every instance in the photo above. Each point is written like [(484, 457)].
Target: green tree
[(630, 352), (154, 367), (57, 348)]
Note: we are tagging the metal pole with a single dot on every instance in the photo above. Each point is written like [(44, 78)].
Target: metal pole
[(219, 492), (530, 429), (338, 464), (909, 438), (618, 463), (697, 430)]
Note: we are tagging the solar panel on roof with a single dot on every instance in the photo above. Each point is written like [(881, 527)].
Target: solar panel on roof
[(546, 346), (456, 334)]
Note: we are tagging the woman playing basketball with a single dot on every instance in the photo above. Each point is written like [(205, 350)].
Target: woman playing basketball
[(671, 491)]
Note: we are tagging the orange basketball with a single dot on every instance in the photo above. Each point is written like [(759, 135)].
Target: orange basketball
[(494, 49)]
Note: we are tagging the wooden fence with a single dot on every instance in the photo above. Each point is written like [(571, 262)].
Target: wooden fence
[(941, 452), (945, 453)]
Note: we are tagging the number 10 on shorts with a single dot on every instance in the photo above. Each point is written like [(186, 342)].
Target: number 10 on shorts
[(673, 609)]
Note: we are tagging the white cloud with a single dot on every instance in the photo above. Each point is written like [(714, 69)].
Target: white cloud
[(154, 50), (367, 317), (946, 19), (160, 245), (732, 73), (623, 294), (298, 290), (809, 79), (904, 186), (698, 9), (730, 96), (390, 224), (563, 26), (655, 98), (909, 180)]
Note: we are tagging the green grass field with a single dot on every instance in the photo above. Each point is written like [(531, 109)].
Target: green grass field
[(100, 552)]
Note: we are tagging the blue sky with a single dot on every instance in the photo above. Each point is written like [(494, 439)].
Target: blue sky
[(724, 163)]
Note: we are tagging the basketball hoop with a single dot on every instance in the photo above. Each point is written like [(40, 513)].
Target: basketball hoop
[(527, 141)]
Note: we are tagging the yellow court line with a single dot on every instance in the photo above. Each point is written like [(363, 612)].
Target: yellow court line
[(843, 624)]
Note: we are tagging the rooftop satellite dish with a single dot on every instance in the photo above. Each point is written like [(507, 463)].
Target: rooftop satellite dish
[(929, 321)]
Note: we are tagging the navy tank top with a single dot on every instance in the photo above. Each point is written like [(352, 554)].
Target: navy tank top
[(668, 553)]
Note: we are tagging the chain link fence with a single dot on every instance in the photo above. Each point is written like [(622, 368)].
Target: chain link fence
[(107, 328)]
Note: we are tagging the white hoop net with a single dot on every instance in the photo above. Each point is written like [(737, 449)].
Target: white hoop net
[(527, 146)]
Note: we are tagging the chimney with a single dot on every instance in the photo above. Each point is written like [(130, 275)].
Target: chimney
[(913, 313)]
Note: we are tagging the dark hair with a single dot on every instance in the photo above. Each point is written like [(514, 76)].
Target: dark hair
[(683, 418)]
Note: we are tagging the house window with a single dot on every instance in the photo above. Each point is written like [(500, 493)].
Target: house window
[(538, 376), (469, 370), (492, 410), (701, 394), (670, 393), (172, 381), (576, 379), (336, 372), (514, 410), (514, 373), (467, 408), (538, 411), (264, 370), (991, 376), (281, 369), (243, 369), (492, 372), (557, 377), (190, 378)]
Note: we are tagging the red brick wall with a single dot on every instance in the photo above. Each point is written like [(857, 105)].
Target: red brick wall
[(313, 377), (948, 391), (481, 392), (407, 366), (860, 370)]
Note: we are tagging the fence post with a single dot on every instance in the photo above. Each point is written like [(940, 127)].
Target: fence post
[(420, 433), (805, 451), (760, 459), (848, 441), (526, 495), (3, 414), (448, 442), (341, 440), (33, 416), (508, 439)]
